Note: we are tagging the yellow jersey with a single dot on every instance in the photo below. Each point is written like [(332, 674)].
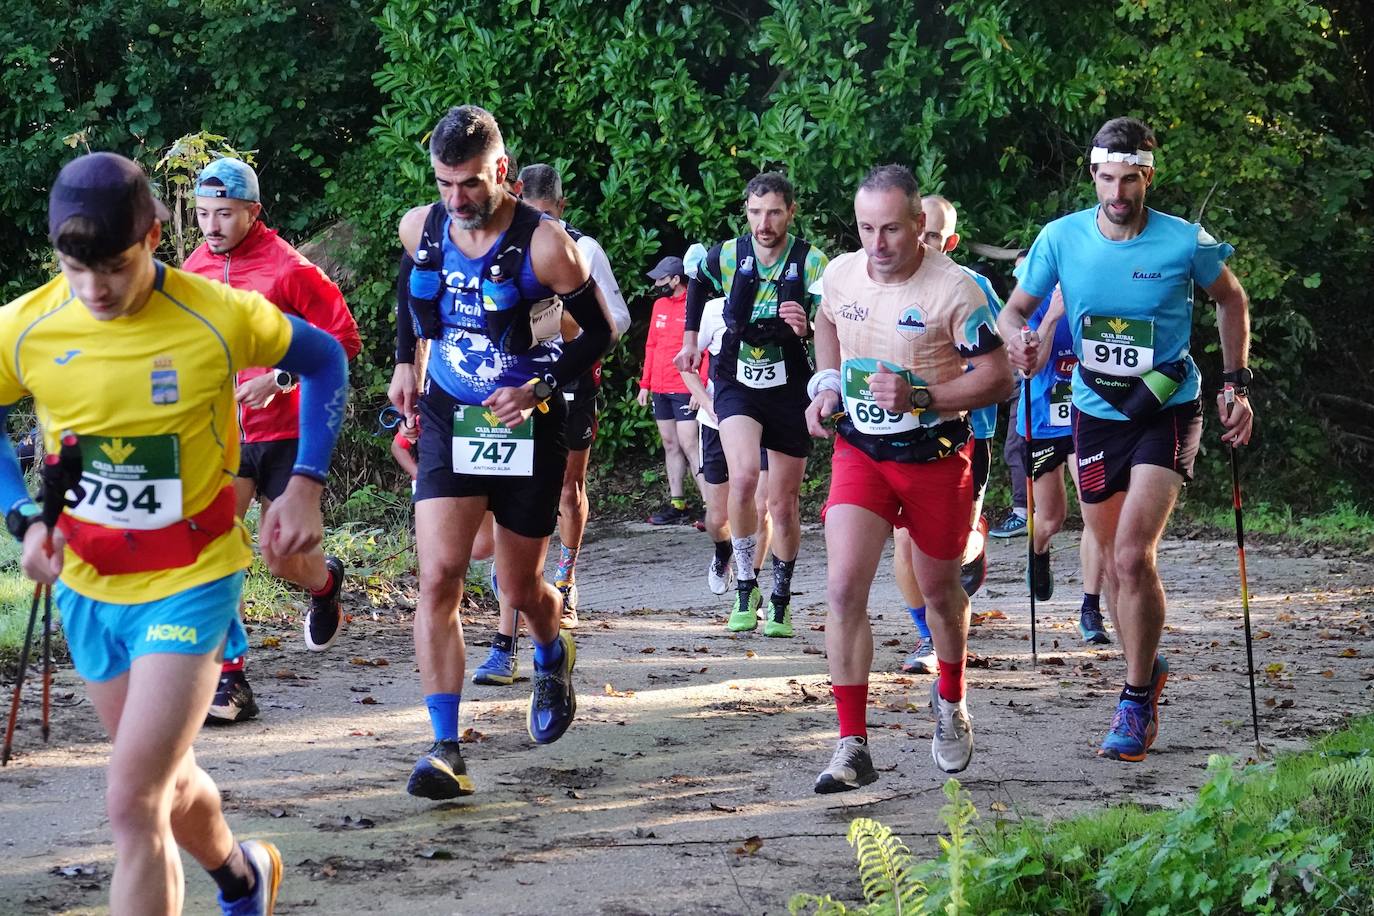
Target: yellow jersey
[(151, 398)]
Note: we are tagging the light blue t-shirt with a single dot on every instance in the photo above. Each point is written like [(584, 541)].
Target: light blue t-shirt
[(1049, 410), (1144, 280), (984, 419)]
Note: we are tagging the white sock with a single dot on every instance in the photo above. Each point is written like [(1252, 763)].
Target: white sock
[(744, 557)]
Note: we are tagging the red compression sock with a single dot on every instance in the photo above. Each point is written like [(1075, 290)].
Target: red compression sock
[(851, 702), (951, 680)]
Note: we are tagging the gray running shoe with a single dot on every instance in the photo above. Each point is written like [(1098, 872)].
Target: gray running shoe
[(850, 767), (952, 745)]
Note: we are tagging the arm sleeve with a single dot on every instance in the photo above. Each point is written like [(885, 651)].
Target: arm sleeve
[(13, 491), (1039, 273), (319, 361), (582, 352), (318, 300), (607, 283), (700, 289), (405, 325), (1209, 257)]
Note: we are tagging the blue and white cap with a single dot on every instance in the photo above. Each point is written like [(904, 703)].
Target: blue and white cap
[(228, 177)]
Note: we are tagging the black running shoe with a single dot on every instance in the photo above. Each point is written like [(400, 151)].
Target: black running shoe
[(1042, 576), (323, 621), (671, 515), (441, 774), (1091, 627), (233, 700)]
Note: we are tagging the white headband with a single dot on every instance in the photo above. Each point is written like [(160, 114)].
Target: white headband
[(1101, 154)]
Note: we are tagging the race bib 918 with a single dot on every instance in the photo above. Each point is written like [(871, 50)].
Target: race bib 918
[(130, 481), (868, 417), (484, 446), (1118, 346)]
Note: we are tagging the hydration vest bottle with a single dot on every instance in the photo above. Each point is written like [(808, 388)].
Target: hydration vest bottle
[(499, 293)]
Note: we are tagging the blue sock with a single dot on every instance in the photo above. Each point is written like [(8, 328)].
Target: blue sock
[(918, 617), (548, 656), (443, 715)]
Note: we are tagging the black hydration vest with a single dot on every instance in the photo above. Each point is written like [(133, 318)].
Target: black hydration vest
[(739, 308), (511, 328)]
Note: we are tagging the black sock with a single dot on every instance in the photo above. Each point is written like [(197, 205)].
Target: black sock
[(782, 578), (724, 551), (1139, 695), (235, 877), (1090, 602), (503, 642)]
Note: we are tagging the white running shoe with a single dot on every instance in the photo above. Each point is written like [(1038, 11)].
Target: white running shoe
[(850, 767), (720, 576), (952, 745)]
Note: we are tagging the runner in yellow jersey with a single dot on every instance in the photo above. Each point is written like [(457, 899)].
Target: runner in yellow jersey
[(138, 360)]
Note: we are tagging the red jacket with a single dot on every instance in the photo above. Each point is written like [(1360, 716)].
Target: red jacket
[(265, 263), (663, 342)]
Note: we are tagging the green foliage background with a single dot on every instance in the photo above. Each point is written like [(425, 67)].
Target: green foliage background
[(657, 114)]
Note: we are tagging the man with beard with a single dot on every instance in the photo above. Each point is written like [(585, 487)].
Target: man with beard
[(1127, 275), (760, 383), (487, 282)]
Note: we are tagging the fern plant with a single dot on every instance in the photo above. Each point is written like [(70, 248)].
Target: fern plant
[(1353, 776), (885, 871)]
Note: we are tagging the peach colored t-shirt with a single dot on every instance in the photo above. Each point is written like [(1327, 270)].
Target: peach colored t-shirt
[(931, 324)]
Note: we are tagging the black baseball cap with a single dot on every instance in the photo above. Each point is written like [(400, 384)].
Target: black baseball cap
[(667, 267), (110, 191)]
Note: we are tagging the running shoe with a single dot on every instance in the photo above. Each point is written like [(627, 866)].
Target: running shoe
[(850, 767), (491, 578), (720, 575), (441, 774), (568, 590), (744, 615), (922, 658), (553, 703), (233, 700), (1135, 726), (1092, 628), (323, 621), (1011, 526), (779, 619), (671, 515), (952, 745), (265, 861), (499, 670), (1041, 576)]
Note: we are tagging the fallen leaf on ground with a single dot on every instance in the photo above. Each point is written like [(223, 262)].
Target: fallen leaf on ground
[(750, 846), (573, 793), (471, 735), (436, 854), (749, 653), (1350, 652), (647, 650), (892, 642), (612, 692), (726, 808), (271, 642), (998, 806), (366, 700), (1263, 634), (1053, 660)]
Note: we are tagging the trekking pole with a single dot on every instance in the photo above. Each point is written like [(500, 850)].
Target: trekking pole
[(19, 677), (1229, 396), (1026, 333)]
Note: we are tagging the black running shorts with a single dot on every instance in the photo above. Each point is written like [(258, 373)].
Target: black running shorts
[(780, 411), (528, 506), (673, 407), (268, 465), (982, 467), (1049, 455), (582, 410), (1108, 449)]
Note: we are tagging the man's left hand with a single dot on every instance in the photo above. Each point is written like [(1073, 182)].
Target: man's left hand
[(512, 405), (890, 391), (293, 523), (258, 391), (795, 316)]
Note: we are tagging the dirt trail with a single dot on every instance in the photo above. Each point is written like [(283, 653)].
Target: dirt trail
[(690, 740)]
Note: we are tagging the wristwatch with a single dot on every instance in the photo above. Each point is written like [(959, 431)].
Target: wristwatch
[(542, 389), (1240, 380), (920, 398), (18, 519), (285, 380)]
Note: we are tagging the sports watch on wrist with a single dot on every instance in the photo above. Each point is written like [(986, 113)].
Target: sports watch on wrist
[(18, 519), (1240, 380), (542, 389), (920, 398), (285, 380)]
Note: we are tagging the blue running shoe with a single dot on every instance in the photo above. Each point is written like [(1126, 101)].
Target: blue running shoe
[(499, 670), (1092, 629), (1135, 726), (491, 577), (553, 703), (1011, 526), (441, 774), (266, 864)]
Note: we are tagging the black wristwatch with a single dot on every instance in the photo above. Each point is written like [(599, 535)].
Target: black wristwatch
[(18, 519), (920, 398), (285, 380), (1240, 380), (542, 389)]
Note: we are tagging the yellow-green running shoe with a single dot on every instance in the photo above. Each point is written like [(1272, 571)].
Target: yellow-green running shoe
[(745, 613)]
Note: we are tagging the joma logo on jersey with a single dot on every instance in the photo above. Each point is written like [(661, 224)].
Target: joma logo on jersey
[(170, 632), (1146, 275)]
